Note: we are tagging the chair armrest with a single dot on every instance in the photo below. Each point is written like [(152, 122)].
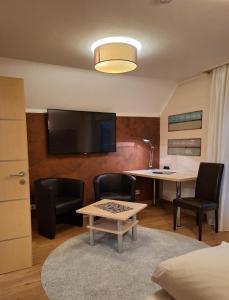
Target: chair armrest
[(45, 203), (45, 209), (44, 197), (130, 184), (97, 190)]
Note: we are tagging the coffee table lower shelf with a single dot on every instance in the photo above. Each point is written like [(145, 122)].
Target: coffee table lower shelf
[(111, 226), (117, 227)]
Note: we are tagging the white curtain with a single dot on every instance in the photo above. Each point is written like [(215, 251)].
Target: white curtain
[(218, 136)]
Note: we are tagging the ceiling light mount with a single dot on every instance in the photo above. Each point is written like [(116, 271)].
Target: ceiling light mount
[(115, 54), (165, 1)]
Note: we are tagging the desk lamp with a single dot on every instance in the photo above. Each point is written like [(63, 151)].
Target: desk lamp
[(147, 141)]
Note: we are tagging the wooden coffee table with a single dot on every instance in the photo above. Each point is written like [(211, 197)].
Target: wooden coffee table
[(116, 223)]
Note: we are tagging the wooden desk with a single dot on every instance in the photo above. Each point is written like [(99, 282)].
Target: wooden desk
[(178, 177)]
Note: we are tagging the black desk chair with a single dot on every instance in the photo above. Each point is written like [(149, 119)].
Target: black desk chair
[(206, 194), (56, 202), (114, 186)]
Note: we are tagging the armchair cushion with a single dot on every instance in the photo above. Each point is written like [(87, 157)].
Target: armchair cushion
[(116, 196), (197, 203), (65, 204)]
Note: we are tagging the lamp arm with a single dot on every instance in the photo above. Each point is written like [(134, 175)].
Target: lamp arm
[(151, 157)]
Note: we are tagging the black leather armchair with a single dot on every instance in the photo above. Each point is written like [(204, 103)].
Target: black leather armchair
[(206, 194), (56, 202), (114, 186)]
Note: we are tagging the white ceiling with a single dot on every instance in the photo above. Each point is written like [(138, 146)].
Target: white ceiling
[(179, 39), (49, 86)]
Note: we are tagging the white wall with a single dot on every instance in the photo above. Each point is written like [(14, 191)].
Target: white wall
[(49, 86), (192, 95)]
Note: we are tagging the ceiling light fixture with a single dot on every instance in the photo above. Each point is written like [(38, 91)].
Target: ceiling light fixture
[(115, 54)]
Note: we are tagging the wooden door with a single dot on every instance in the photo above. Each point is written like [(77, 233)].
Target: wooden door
[(15, 220)]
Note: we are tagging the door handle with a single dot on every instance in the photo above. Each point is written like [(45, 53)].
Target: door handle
[(19, 174)]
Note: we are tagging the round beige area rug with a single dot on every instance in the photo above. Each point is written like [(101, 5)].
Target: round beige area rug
[(77, 271)]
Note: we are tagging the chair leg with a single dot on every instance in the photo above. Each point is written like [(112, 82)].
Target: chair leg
[(216, 220), (200, 220), (174, 217), (197, 219)]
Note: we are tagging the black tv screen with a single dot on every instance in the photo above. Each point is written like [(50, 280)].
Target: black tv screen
[(81, 132)]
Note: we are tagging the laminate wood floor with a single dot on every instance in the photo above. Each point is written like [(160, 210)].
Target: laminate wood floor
[(25, 284)]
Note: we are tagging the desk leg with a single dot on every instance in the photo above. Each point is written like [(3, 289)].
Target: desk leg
[(154, 192), (178, 195), (91, 223)]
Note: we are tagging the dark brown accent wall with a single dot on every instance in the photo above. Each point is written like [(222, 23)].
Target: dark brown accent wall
[(131, 154)]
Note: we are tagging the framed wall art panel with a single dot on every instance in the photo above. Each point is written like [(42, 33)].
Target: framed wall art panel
[(186, 121), (187, 147)]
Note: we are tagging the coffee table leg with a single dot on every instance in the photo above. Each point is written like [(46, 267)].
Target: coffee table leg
[(91, 231), (134, 229), (120, 237)]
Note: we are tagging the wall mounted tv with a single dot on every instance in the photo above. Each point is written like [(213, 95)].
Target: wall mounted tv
[(81, 132)]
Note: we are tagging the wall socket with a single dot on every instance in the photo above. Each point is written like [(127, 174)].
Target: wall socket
[(137, 192), (33, 206)]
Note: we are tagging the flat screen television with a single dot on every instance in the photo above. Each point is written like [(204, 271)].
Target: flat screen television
[(81, 132)]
